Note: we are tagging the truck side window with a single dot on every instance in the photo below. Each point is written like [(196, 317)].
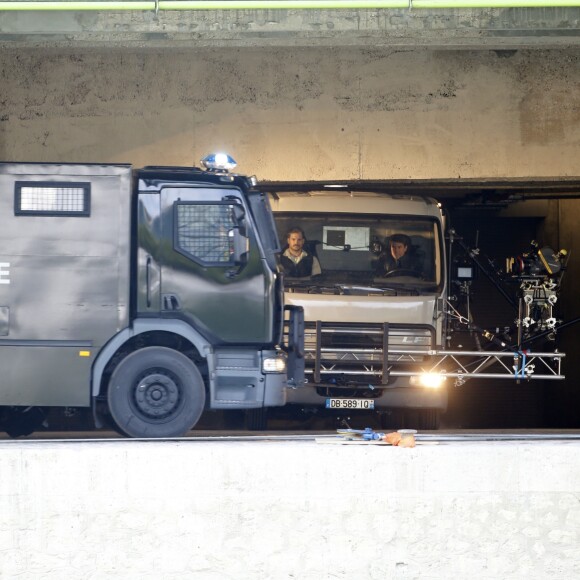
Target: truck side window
[(205, 232), (52, 198)]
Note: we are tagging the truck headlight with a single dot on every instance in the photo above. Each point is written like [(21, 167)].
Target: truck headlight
[(274, 364), (429, 380)]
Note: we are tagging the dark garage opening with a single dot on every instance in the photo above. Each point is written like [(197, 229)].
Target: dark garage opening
[(493, 216)]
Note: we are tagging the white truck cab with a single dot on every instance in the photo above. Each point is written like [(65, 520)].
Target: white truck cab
[(369, 325)]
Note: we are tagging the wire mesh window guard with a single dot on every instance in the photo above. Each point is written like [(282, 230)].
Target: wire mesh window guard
[(52, 199), (205, 232)]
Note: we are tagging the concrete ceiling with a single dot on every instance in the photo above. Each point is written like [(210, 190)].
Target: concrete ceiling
[(474, 193), (494, 28)]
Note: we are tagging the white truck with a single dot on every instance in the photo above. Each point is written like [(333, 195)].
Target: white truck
[(369, 332), (381, 340)]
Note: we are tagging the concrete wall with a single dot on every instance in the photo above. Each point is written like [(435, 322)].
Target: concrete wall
[(310, 113), (313, 113), (139, 510)]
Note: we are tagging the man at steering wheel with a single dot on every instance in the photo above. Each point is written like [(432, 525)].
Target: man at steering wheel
[(400, 260)]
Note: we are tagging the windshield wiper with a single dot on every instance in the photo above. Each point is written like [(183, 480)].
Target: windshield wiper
[(378, 289), (351, 289)]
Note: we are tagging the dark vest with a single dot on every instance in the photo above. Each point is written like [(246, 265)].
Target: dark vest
[(300, 270)]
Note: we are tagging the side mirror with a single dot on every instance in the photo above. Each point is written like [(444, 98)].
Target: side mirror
[(241, 246), (239, 217)]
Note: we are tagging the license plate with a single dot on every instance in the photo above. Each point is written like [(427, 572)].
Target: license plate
[(365, 404)]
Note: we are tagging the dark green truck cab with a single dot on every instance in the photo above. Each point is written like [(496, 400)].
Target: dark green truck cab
[(148, 295)]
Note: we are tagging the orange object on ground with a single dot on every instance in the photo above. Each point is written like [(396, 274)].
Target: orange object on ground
[(402, 438), (393, 438)]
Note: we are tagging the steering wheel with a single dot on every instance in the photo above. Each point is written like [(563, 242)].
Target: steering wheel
[(402, 272)]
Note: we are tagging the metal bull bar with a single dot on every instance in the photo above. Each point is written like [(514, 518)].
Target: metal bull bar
[(358, 349), (386, 350)]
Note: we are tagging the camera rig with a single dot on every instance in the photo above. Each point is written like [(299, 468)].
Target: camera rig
[(530, 283)]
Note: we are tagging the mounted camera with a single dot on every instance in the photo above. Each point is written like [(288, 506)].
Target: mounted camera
[(539, 272), (537, 262)]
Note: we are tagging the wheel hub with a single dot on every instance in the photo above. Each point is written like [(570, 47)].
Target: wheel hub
[(157, 395)]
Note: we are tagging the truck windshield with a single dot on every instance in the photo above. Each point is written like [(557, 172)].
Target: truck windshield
[(360, 254)]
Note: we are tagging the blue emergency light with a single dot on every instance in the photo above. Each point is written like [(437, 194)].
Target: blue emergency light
[(218, 161)]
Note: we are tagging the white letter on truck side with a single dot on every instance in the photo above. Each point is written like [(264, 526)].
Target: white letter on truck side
[(4, 272)]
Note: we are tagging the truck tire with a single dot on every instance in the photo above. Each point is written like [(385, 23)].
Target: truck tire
[(156, 392), (21, 421)]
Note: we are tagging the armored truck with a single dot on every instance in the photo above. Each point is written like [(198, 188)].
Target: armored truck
[(147, 295)]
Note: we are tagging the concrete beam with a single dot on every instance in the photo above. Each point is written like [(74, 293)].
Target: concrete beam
[(492, 28)]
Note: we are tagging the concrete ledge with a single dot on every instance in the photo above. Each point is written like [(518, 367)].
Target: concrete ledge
[(267, 510), (469, 28)]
